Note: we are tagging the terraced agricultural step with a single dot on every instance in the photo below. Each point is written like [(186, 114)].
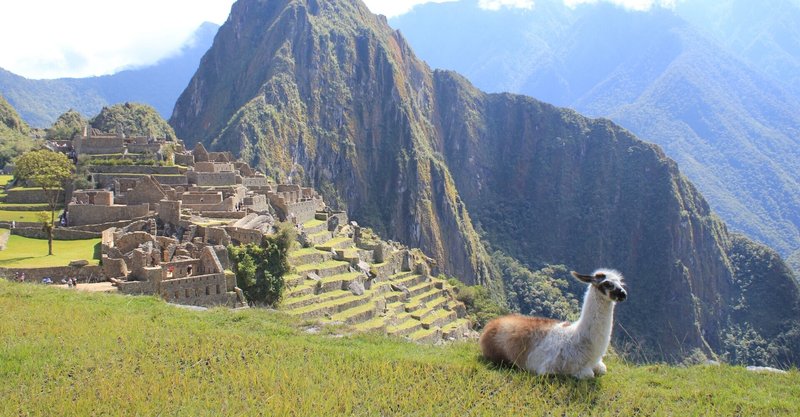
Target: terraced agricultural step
[(291, 303), (438, 318), (419, 301), (404, 327), (375, 324), (293, 280), (339, 242), (456, 329), (306, 288), (431, 335), (356, 315), (395, 307), (429, 308), (420, 288), (408, 279), (308, 256), (324, 269), (337, 282), (332, 306), (319, 238), (315, 226)]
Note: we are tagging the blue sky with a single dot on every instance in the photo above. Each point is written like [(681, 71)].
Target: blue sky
[(80, 38)]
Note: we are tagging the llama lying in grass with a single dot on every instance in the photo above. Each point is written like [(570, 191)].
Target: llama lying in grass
[(547, 346)]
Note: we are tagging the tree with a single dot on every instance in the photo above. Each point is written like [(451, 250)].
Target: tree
[(50, 171), (260, 268)]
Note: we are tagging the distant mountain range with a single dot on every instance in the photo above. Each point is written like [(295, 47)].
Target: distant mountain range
[(325, 92), (40, 102), (715, 83)]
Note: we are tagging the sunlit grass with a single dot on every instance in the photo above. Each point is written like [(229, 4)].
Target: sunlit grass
[(23, 252), (68, 353), (25, 216)]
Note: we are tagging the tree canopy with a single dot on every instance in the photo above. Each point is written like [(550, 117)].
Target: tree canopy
[(50, 171)]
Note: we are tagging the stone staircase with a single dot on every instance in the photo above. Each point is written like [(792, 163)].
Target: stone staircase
[(328, 284)]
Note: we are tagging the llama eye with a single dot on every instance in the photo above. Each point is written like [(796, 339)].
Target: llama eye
[(607, 285)]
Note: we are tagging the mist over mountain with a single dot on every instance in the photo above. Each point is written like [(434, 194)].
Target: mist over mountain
[(40, 102), (727, 113), (325, 92)]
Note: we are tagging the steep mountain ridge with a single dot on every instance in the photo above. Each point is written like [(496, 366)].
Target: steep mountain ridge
[(727, 117), (40, 102), (326, 92), (314, 81)]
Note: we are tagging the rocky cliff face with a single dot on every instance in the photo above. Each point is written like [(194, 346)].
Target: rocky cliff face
[(325, 92)]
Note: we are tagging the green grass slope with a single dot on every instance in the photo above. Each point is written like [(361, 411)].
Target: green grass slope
[(23, 252), (102, 354)]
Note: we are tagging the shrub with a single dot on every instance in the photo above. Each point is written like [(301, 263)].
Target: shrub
[(260, 268)]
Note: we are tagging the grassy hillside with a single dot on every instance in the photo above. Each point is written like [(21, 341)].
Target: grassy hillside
[(101, 354)]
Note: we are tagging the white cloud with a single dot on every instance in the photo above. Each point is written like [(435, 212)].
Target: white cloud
[(78, 38), (392, 8), (638, 5), (511, 4)]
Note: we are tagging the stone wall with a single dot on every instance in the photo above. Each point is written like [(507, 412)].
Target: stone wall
[(83, 214), (170, 211), (147, 148), (213, 167), (147, 190), (208, 197), (211, 179), (36, 196), (241, 236), (99, 145), (136, 169), (202, 290), (59, 233), (255, 182), (185, 159), (89, 273), (107, 179), (256, 202)]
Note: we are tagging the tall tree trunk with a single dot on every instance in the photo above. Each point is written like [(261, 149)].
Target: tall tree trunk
[(50, 229)]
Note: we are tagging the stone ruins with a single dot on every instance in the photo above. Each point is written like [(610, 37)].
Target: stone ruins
[(166, 214)]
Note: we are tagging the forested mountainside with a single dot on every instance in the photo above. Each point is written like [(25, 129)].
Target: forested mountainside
[(14, 133), (40, 102), (324, 92), (716, 92)]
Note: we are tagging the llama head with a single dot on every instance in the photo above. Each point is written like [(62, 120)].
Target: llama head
[(606, 281)]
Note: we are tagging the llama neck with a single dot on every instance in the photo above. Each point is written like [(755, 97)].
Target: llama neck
[(596, 318)]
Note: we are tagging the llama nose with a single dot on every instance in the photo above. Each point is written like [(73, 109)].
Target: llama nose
[(622, 296)]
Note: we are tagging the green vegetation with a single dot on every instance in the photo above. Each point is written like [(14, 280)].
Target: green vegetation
[(548, 292), (133, 119), (23, 252), (66, 126), (481, 306), (260, 269), (14, 134), (140, 356), (50, 171), (23, 216)]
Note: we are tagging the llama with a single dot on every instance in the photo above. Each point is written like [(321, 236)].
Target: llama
[(547, 346)]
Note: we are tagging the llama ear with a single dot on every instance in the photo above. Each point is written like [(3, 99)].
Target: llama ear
[(584, 278)]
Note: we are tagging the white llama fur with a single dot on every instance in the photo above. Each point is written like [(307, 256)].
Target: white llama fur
[(545, 346)]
